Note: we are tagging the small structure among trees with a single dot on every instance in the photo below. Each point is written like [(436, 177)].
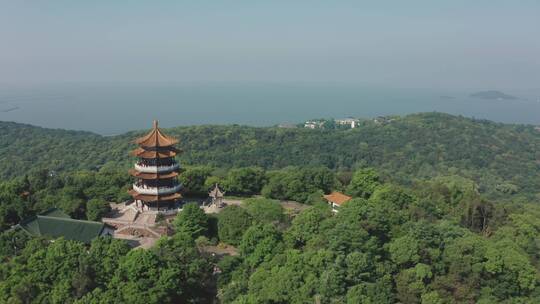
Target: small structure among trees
[(216, 197), (336, 199)]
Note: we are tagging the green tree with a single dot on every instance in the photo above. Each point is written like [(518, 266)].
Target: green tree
[(191, 220), (96, 209), (404, 251), (264, 210), (379, 291), (233, 221), (364, 182), (104, 255), (306, 226), (412, 283), (193, 180), (12, 242), (180, 255), (249, 180), (511, 269), (142, 278), (299, 183), (259, 243), (211, 181), (393, 196)]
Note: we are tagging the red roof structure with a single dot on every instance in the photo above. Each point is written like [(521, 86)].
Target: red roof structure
[(337, 198), (156, 138)]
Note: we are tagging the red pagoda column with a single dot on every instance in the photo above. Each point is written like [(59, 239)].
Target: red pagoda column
[(156, 186)]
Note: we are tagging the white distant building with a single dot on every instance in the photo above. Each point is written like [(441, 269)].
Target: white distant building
[(287, 126), (351, 122), (383, 120), (311, 124)]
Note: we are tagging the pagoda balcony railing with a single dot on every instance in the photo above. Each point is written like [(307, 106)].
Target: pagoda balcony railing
[(156, 169), (156, 191)]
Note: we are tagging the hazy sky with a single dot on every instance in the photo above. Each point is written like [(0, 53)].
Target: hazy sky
[(432, 43)]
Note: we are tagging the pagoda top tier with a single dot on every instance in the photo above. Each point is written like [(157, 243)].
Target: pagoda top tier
[(156, 138)]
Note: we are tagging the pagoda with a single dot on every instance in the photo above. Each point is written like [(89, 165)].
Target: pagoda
[(156, 187)]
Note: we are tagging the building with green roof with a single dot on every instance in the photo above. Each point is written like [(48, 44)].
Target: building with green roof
[(55, 223)]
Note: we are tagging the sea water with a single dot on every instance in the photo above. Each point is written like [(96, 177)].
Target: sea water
[(109, 109)]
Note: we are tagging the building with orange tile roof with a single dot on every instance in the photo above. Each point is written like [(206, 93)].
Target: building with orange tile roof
[(336, 199)]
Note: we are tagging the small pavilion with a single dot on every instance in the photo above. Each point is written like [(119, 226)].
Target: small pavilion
[(216, 196)]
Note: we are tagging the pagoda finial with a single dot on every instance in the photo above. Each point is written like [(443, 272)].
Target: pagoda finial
[(155, 138)]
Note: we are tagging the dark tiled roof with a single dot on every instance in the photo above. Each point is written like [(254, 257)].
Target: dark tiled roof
[(54, 223)]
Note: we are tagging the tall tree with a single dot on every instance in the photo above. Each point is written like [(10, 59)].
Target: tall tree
[(233, 221), (249, 180), (191, 220), (364, 182)]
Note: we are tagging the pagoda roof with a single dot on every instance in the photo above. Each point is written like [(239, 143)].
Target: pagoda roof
[(154, 198), (216, 192), (145, 175), (156, 138), (337, 198), (141, 152)]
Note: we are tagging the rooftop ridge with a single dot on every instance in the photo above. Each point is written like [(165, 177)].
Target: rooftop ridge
[(68, 219)]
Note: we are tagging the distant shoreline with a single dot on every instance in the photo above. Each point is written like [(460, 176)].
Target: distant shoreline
[(122, 109)]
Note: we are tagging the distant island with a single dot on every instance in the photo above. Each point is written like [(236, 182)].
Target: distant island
[(493, 95), (9, 109)]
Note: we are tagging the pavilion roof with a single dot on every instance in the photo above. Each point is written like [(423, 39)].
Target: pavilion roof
[(216, 192), (337, 198), (156, 138)]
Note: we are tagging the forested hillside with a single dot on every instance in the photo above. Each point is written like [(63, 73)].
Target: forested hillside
[(439, 243), (444, 210), (504, 160)]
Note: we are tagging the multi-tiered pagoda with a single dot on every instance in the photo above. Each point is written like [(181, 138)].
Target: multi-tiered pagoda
[(156, 187)]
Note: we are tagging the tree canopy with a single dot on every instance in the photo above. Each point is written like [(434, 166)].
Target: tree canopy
[(445, 210), (500, 158)]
